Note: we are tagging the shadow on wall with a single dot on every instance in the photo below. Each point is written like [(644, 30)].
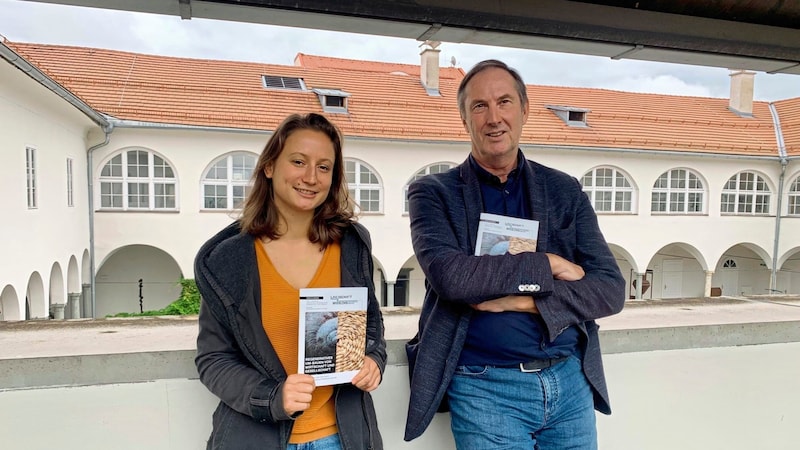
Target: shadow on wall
[(117, 281)]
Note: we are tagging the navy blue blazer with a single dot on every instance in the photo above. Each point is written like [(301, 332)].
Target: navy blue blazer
[(444, 210)]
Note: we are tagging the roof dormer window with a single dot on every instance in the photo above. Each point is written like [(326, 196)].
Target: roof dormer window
[(577, 116), (332, 100), (573, 117), (278, 82)]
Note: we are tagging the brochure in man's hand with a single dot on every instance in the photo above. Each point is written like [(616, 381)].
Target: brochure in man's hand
[(333, 333), (498, 235)]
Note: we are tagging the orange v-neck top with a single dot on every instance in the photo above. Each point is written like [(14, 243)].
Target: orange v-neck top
[(280, 315)]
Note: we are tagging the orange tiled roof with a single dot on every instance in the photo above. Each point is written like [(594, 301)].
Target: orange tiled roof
[(650, 121), (387, 101), (326, 62)]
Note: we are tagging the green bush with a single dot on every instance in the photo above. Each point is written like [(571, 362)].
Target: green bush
[(187, 304)]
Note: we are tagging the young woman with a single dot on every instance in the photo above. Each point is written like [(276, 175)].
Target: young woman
[(297, 230)]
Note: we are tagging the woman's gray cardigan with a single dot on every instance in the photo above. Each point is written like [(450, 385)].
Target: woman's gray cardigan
[(237, 363)]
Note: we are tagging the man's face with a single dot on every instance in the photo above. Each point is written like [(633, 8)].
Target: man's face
[(494, 116)]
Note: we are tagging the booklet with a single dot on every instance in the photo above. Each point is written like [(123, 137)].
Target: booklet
[(498, 235), (333, 333)]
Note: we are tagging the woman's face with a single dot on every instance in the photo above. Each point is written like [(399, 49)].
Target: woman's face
[(302, 173)]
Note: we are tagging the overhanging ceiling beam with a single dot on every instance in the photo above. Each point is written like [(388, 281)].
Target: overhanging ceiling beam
[(761, 35)]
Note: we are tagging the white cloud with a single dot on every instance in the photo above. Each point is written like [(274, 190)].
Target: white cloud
[(660, 84)]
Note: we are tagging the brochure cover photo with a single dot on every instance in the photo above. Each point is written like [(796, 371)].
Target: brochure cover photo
[(498, 235), (333, 333)]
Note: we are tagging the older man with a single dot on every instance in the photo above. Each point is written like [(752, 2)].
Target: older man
[(508, 343)]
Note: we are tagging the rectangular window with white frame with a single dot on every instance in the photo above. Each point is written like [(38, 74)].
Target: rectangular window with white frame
[(70, 185), (30, 168)]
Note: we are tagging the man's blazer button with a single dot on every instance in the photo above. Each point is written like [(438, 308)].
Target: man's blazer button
[(521, 288), (536, 288)]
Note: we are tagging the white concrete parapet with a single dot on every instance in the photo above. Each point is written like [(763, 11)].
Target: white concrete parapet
[(694, 387)]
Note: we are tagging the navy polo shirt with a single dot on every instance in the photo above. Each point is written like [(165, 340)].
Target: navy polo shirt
[(510, 337)]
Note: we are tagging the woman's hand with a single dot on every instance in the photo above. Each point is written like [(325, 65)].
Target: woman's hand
[(369, 377), (297, 390)]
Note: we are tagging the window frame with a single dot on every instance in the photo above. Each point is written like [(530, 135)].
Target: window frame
[(793, 198), (417, 175), (31, 185), (228, 182), (325, 94), (70, 183), (591, 191), (572, 116), (144, 189), (687, 191), (754, 192), (356, 188)]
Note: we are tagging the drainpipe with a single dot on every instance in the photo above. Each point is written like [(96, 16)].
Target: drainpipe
[(107, 130), (773, 279)]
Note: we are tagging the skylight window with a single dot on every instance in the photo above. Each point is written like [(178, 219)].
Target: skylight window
[(573, 117), (332, 100), (277, 82)]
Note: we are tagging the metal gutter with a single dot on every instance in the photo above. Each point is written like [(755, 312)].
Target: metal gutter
[(525, 147), (124, 123), (107, 130), (118, 123), (773, 278), (647, 151)]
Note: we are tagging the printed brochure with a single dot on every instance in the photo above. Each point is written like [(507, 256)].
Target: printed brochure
[(333, 333), (498, 235)]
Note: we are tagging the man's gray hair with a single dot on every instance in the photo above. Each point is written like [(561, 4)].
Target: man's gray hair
[(480, 67)]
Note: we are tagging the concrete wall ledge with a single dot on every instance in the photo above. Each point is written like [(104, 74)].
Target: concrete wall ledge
[(113, 368), (699, 336)]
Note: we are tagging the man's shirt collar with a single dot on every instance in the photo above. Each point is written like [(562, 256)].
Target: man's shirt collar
[(493, 180)]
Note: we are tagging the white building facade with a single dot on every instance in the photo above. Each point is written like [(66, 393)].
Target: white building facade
[(681, 223)]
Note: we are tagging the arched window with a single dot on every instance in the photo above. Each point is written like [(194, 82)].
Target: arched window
[(138, 180), (364, 186), (678, 191), (427, 170), (609, 190), (226, 183), (729, 264), (745, 193), (794, 197)]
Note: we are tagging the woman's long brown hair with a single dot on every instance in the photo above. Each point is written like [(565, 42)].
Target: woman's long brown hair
[(260, 216)]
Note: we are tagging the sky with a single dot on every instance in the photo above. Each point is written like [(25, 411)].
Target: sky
[(24, 21)]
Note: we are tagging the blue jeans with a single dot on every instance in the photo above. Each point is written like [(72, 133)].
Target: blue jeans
[(500, 408), (327, 443)]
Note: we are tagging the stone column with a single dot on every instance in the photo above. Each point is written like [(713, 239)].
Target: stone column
[(390, 293), (57, 309), (73, 305), (86, 299), (707, 288)]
